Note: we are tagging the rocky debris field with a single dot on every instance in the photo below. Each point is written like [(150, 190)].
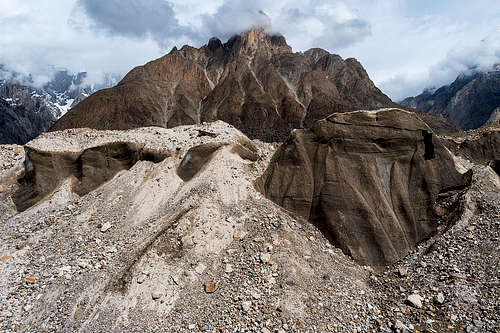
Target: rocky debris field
[(450, 283), (185, 243), (10, 157)]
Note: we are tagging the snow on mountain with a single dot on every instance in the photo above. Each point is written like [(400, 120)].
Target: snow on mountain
[(27, 111)]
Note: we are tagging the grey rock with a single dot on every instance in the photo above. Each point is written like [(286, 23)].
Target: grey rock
[(246, 306), (157, 294), (415, 300)]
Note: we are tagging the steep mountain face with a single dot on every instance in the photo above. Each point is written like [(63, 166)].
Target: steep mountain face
[(254, 82), (26, 112), (369, 179), (469, 102)]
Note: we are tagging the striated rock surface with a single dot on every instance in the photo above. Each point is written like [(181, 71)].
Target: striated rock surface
[(368, 179), (253, 81), (469, 102)]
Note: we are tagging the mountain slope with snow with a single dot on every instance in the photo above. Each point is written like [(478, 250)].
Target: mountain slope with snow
[(26, 111)]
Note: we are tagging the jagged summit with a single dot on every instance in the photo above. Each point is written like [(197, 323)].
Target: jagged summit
[(253, 81)]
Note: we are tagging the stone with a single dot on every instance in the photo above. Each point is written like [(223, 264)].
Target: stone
[(191, 326), (439, 299), (30, 279), (415, 300), (403, 271), (228, 268), (210, 287), (141, 278), (246, 306), (400, 326), (1, 188), (200, 268), (322, 174), (105, 227), (157, 294), (265, 257), (265, 330), (5, 258)]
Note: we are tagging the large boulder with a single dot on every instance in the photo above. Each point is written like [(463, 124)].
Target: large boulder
[(368, 179)]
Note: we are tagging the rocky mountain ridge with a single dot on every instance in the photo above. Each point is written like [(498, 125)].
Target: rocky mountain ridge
[(253, 81), (27, 111), (470, 102)]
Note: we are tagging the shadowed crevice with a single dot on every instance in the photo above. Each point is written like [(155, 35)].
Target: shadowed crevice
[(89, 169)]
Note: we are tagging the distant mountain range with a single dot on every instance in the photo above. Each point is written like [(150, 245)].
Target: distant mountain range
[(471, 101), (26, 111)]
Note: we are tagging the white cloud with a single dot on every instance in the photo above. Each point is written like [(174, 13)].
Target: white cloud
[(404, 46)]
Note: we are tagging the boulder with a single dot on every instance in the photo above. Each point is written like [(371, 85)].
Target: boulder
[(368, 179)]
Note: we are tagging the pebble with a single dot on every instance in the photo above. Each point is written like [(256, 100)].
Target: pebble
[(439, 298), (157, 294), (191, 326), (265, 257), (265, 330), (200, 268), (210, 287), (246, 306), (415, 300), (141, 278), (1, 188), (403, 271), (30, 279), (229, 268), (105, 227)]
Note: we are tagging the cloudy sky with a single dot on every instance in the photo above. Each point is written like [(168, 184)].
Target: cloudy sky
[(405, 45)]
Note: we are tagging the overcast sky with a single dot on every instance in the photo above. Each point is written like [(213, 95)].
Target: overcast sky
[(405, 45)]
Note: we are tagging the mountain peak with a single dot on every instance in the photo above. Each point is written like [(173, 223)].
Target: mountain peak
[(253, 81)]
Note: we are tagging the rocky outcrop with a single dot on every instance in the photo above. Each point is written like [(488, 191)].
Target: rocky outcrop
[(368, 179), (469, 102), (481, 146), (253, 81)]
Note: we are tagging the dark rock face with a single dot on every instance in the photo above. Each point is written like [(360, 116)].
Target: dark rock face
[(368, 179), (253, 81), (25, 116), (26, 112), (469, 102), (481, 146)]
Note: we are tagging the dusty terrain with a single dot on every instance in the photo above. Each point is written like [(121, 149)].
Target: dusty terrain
[(158, 229)]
